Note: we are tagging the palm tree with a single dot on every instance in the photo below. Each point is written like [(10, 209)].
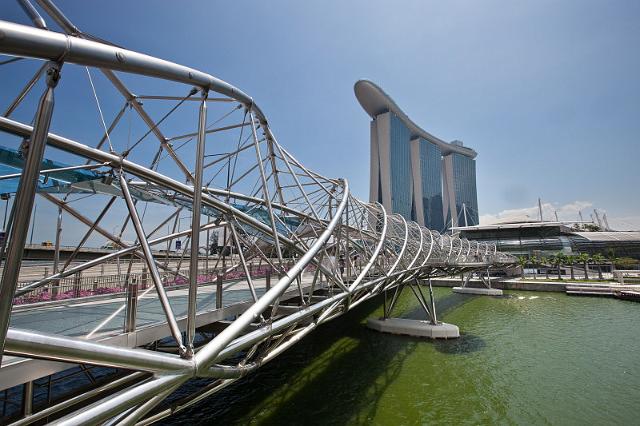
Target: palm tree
[(543, 261), (534, 261), (598, 259), (611, 257), (571, 260), (584, 258), (522, 261), (558, 261)]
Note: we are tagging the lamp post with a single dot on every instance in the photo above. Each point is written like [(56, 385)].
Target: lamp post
[(6, 197), (179, 242), (33, 223)]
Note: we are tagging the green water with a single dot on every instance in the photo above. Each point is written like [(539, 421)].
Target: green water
[(529, 358)]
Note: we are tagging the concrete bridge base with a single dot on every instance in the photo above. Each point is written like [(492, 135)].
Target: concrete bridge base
[(416, 328), (481, 291)]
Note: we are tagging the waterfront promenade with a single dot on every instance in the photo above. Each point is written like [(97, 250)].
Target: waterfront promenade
[(604, 288)]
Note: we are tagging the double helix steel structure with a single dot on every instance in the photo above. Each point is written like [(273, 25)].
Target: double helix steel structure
[(293, 248)]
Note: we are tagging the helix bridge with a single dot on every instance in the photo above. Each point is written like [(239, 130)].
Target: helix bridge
[(122, 144)]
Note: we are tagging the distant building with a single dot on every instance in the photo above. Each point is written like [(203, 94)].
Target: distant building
[(426, 166), (548, 238), (460, 194), (414, 173)]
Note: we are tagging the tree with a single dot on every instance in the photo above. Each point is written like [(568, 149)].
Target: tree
[(611, 257), (598, 259), (213, 243), (626, 263), (522, 261), (558, 260), (571, 260), (584, 259), (534, 261), (544, 261)]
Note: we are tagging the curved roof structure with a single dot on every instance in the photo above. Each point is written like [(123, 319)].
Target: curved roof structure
[(375, 101)]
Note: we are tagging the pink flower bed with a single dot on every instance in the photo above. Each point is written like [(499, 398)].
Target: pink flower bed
[(46, 296)]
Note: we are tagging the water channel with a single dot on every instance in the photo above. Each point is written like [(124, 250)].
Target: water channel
[(525, 358)]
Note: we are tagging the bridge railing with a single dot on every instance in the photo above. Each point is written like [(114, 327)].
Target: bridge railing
[(87, 285)]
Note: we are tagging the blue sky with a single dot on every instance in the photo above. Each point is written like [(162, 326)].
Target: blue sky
[(546, 92)]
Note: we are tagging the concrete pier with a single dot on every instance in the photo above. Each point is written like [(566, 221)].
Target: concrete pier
[(478, 290), (416, 328)]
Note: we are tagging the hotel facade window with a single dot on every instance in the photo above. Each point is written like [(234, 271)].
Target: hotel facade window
[(414, 173), (401, 183), (391, 165), (460, 193), (431, 179)]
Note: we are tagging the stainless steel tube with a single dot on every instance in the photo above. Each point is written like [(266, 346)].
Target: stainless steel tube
[(195, 227), (68, 349), (24, 200), (148, 257)]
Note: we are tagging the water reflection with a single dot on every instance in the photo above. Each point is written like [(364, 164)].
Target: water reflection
[(536, 358), (465, 344)]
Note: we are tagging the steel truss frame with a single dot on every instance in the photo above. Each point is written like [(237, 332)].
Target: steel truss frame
[(336, 250)]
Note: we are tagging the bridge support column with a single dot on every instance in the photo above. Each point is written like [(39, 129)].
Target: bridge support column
[(34, 147), (132, 306), (56, 253), (144, 278), (487, 290), (27, 399), (77, 284), (434, 316), (384, 304), (218, 291), (430, 327)]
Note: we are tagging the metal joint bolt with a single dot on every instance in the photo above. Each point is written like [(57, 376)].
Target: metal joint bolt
[(53, 74)]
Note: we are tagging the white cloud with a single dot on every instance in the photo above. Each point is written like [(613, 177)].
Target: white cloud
[(624, 223), (566, 212)]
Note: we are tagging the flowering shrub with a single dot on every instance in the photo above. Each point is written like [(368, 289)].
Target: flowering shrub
[(45, 295), (107, 290)]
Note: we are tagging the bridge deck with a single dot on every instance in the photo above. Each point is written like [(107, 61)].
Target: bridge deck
[(78, 317)]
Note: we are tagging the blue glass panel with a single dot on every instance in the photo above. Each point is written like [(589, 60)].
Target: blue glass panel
[(400, 168), (464, 172), (431, 175), (11, 162)]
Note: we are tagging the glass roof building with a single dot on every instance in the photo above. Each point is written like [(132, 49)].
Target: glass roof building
[(549, 238), (414, 173)]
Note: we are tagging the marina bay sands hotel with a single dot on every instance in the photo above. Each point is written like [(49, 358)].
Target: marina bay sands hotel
[(414, 173)]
